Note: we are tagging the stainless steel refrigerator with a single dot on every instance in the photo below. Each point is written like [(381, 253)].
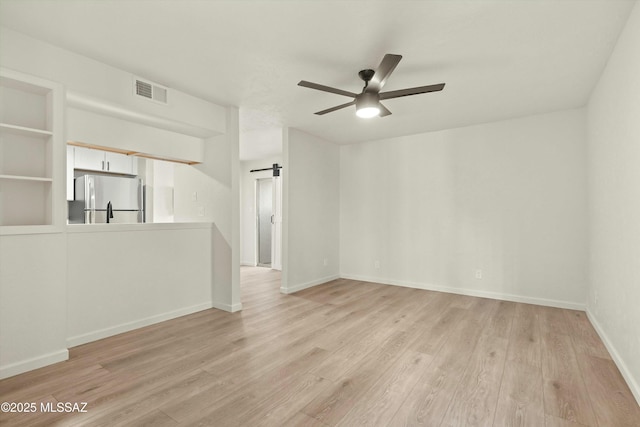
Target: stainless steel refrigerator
[(107, 199)]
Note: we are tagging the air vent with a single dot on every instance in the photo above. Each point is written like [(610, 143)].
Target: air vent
[(150, 91)]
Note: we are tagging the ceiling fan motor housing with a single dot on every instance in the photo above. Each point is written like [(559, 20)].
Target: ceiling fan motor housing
[(366, 75), (367, 99)]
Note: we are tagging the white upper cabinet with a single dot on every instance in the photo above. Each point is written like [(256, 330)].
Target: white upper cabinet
[(104, 161), (88, 159), (119, 163)]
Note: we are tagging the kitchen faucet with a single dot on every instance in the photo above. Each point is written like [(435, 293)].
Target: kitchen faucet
[(109, 211)]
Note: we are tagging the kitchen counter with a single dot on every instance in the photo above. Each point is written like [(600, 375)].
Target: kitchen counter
[(99, 228)]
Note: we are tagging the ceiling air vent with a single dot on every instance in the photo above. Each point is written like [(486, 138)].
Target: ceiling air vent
[(150, 91)]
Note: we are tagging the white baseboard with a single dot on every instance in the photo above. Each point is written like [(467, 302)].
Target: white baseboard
[(231, 308), (301, 286), (62, 355), (129, 326), (471, 292), (33, 363), (622, 367)]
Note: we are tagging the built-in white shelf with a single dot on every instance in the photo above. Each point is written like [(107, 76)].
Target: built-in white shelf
[(26, 178), (32, 154), (24, 131)]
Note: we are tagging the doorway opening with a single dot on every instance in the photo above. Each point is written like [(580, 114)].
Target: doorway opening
[(264, 221)]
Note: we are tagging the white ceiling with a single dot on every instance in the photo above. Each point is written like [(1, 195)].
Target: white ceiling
[(499, 59)]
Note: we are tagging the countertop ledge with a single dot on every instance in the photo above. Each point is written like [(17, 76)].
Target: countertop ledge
[(101, 228)]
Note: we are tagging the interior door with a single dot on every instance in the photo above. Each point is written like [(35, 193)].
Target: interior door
[(264, 212), (276, 235)]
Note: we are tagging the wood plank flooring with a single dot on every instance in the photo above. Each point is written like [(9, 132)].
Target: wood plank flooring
[(344, 353)]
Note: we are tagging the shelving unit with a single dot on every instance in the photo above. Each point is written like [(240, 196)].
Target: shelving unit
[(31, 154)]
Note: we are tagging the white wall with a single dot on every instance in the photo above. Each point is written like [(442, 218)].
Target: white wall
[(311, 224), (99, 129), (507, 198), (217, 184), (95, 85), (247, 204), (260, 144), (200, 198), (33, 301), (614, 203), (128, 276), (160, 190)]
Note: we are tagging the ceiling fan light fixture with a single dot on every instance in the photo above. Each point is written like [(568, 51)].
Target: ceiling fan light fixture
[(367, 105), (368, 112)]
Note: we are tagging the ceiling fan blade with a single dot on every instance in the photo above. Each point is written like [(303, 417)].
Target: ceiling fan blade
[(326, 88), (411, 91), (384, 111), (339, 107), (384, 70)]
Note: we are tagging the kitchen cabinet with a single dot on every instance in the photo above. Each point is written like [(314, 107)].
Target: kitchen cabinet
[(120, 163), (105, 161), (88, 159), (31, 148)]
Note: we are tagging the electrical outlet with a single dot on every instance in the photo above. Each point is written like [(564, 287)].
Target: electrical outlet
[(478, 274), (376, 264), (201, 211), (326, 262), (194, 196)]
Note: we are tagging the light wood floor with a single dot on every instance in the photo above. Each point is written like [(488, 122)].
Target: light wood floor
[(345, 353)]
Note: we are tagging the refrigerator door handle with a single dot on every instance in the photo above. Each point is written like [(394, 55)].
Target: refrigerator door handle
[(90, 198), (141, 201)]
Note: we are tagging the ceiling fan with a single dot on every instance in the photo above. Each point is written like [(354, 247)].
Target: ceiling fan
[(367, 102)]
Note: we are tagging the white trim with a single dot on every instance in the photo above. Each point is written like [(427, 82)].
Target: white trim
[(622, 367), (231, 308), (296, 288), (471, 292), (140, 323), (33, 363)]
